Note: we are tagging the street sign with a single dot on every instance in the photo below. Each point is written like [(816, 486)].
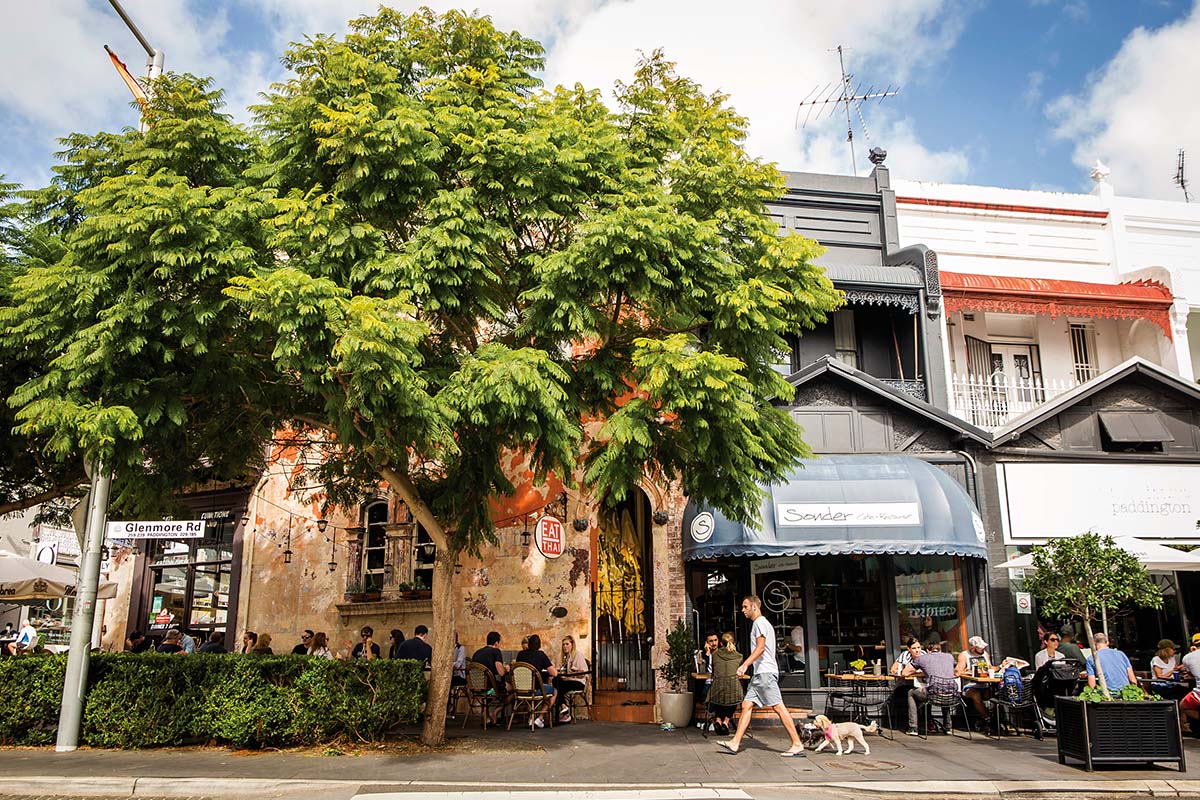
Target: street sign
[(548, 536), (1024, 602), (157, 529)]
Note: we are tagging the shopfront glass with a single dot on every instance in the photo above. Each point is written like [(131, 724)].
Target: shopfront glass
[(849, 602), (191, 580), (929, 601)]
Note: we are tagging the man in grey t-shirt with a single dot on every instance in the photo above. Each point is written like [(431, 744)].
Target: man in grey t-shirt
[(764, 685)]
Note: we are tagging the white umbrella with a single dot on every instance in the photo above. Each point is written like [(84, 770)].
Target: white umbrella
[(1154, 557), (26, 579)]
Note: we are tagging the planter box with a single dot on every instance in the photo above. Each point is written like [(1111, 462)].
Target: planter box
[(1118, 732)]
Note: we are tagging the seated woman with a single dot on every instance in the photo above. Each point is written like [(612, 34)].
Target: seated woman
[(534, 657), (572, 662), (1164, 668), (726, 692)]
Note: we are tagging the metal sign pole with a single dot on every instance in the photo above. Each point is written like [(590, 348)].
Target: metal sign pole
[(75, 683)]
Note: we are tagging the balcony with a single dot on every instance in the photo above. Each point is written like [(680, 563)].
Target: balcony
[(992, 401)]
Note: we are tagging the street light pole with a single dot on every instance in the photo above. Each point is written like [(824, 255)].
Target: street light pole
[(154, 57), (82, 621)]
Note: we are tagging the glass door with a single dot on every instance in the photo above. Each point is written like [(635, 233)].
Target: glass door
[(849, 602)]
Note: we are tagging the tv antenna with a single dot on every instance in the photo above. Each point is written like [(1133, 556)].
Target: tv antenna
[(1181, 182), (825, 100)]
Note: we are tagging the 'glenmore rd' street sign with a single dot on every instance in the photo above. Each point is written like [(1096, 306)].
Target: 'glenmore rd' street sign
[(156, 529)]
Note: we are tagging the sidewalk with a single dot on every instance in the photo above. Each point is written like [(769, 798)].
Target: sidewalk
[(588, 754)]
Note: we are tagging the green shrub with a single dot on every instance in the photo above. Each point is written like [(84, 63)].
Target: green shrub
[(31, 688), (153, 700)]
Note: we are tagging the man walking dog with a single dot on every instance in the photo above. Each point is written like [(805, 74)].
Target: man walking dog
[(763, 690)]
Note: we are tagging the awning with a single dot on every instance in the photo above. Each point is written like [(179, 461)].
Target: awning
[(1144, 299), (1154, 557), (1135, 426), (852, 504)]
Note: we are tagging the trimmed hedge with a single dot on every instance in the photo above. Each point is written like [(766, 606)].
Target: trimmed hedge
[(152, 700)]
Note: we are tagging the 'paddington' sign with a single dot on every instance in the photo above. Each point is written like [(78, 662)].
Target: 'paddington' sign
[(157, 529)]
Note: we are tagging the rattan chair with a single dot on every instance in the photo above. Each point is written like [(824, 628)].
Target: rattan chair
[(528, 697), (482, 692), (946, 696)]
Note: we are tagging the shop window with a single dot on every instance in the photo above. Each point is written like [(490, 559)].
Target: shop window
[(848, 593), (191, 579), (929, 598)]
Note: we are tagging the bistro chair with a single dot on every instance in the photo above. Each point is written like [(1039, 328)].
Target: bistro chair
[(528, 697), (873, 701), (837, 699), (1012, 704), (944, 695), (578, 698), (481, 692)]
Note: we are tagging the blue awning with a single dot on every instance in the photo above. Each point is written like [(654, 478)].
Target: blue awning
[(852, 504)]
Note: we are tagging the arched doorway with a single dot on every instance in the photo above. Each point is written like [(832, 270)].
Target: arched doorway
[(623, 603)]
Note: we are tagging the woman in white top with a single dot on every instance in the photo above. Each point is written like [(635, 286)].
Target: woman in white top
[(1164, 661), (319, 647)]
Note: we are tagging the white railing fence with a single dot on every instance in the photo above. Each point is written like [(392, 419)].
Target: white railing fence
[(991, 401)]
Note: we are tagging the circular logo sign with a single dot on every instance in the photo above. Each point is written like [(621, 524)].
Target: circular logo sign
[(703, 526), (548, 536), (776, 596)]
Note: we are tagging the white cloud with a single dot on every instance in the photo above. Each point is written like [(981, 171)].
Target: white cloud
[(1033, 88), (1139, 110), (768, 55)]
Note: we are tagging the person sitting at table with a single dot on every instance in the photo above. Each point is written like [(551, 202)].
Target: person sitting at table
[(1164, 668), (704, 664), (725, 695), (937, 667), (9, 633), (171, 643), (970, 662), (459, 677), (136, 642), (534, 657), (912, 649), (493, 660), (26, 641), (1118, 672), (1050, 652), (417, 648), (573, 675)]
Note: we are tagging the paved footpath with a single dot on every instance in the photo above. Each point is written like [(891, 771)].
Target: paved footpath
[(586, 757)]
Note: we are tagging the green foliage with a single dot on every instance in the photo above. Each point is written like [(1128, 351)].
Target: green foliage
[(151, 700), (1079, 575), (681, 657), (1131, 692), (858, 664)]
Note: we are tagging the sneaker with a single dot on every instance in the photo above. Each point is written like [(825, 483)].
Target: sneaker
[(912, 732), (538, 722)]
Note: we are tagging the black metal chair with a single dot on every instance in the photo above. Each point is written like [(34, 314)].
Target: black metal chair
[(871, 701), (1013, 703), (837, 698), (945, 695)]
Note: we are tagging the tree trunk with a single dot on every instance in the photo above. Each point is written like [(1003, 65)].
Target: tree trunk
[(1087, 628), (433, 733)]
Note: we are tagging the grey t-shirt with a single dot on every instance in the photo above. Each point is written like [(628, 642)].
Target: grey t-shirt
[(765, 665), (1191, 662)]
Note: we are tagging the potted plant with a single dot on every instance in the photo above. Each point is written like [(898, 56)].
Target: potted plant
[(1086, 576), (675, 703), (859, 666)]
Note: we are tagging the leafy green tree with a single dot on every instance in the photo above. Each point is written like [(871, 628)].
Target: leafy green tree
[(135, 355), (470, 267), (28, 476), (423, 265), (1083, 576)]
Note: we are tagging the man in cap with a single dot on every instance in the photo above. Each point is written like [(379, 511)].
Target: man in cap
[(1068, 648), (970, 662)]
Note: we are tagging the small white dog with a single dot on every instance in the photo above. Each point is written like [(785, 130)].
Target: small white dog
[(837, 732)]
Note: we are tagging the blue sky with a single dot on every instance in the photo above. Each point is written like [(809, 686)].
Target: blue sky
[(1017, 93)]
